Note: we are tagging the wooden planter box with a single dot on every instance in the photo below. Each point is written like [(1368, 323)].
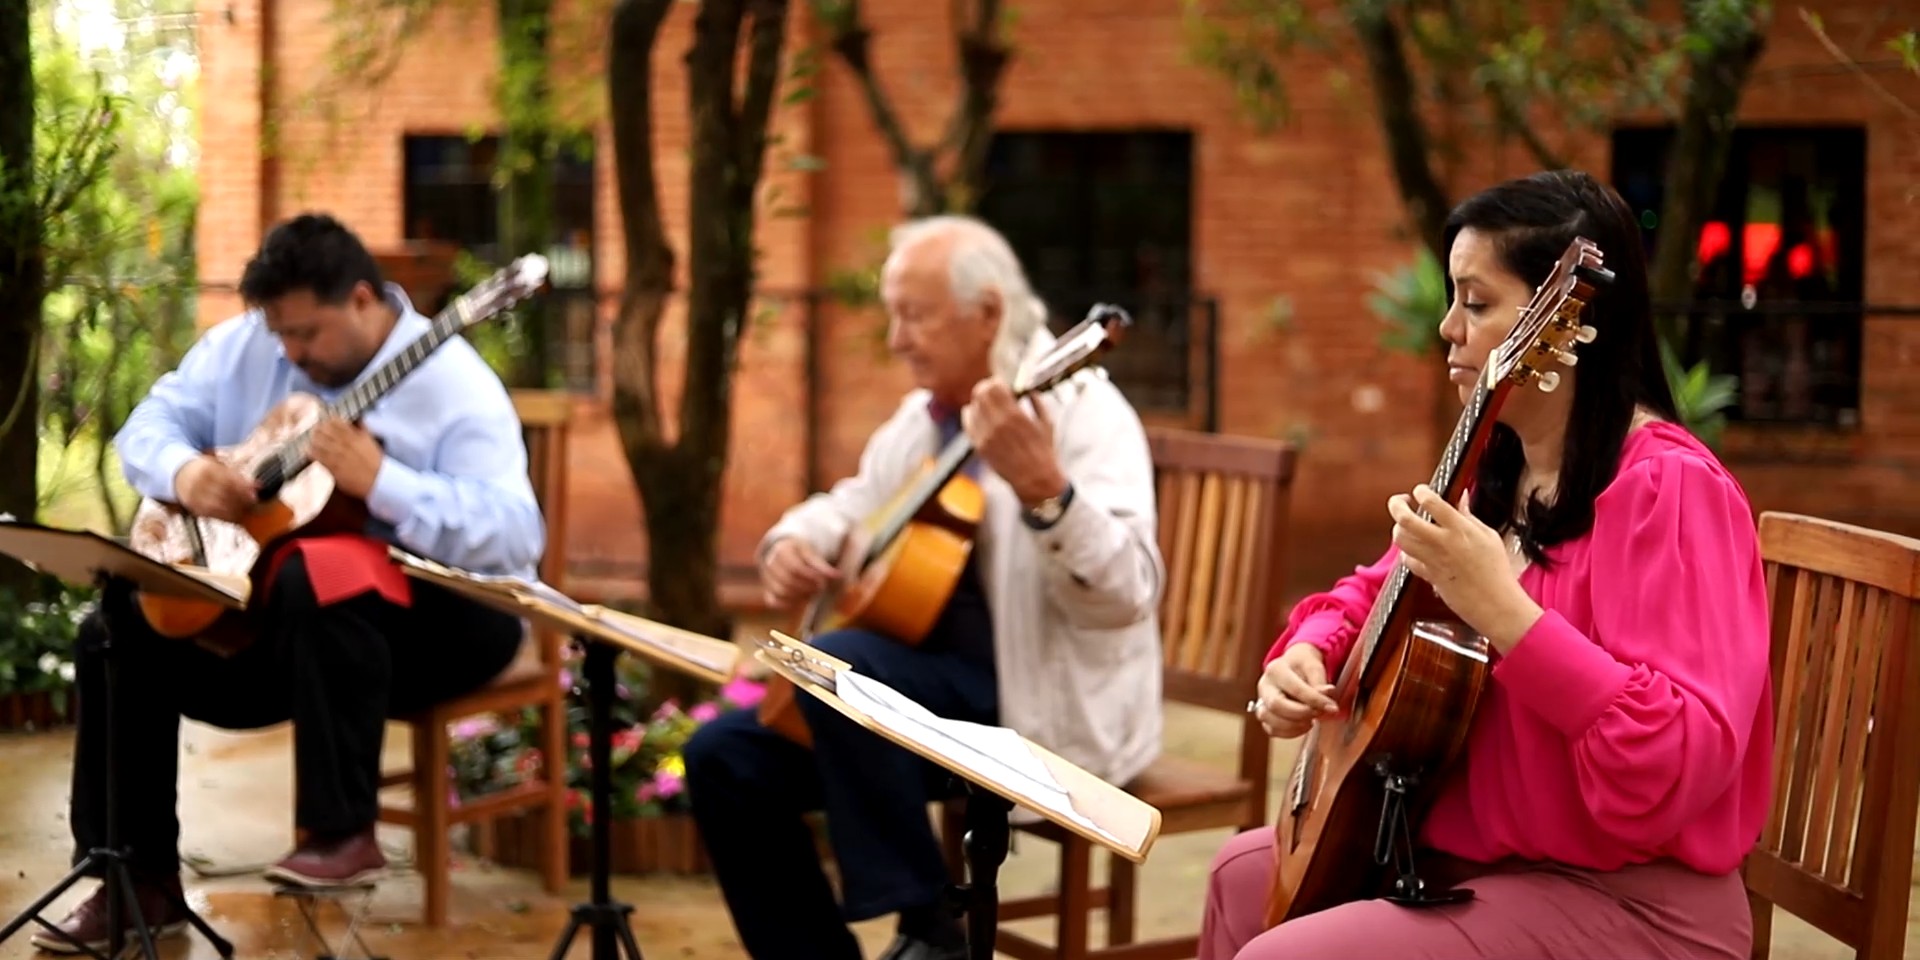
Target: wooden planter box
[(669, 844), (33, 711)]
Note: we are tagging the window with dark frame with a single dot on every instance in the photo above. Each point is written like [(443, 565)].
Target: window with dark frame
[(1107, 217), (1778, 300), (448, 195)]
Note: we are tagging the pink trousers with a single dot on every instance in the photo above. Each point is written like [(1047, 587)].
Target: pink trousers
[(1657, 911)]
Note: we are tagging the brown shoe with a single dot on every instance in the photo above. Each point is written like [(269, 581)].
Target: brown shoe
[(355, 861), (88, 923)]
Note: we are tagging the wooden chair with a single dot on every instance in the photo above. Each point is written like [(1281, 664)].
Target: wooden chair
[(1223, 514), (533, 680), (1836, 848)]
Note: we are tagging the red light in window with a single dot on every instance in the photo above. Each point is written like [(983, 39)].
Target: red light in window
[(1715, 238), (1800, 261), (1761, 240)]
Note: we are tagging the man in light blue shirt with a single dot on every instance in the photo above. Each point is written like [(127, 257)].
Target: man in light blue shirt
[(439, 462)]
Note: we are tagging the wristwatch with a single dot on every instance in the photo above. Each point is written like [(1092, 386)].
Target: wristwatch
[(1048, 512)]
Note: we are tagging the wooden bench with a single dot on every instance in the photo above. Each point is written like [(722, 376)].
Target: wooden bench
[(1837, 847)]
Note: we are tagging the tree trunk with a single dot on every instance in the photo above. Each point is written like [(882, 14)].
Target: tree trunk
[(526, 204), (1716, 77), (22, 283), (680, 480), (983, 55)]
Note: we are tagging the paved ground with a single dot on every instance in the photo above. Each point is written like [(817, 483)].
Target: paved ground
[(241, 786)]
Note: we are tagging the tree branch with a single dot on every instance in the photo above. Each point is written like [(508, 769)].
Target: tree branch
[(1507, 114), (650, 260), (1407, 138), (983, 58), (763, 81), (849, 37)]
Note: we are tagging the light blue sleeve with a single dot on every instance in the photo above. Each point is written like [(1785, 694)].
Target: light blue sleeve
[(475, 508), (174, 423)]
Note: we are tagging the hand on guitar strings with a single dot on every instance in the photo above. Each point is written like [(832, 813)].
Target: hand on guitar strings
[(1466, 562), (794, 572), (1294, 692), (349, 453), (209, 487), (1015, 444)]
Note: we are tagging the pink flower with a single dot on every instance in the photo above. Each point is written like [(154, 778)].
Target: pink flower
[(566, 679), (667, 710), (703, 712), (743, 692), (643, 793), (474, 728), (666, 783)]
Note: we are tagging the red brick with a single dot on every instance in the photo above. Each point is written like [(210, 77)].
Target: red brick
[(1308, 212)]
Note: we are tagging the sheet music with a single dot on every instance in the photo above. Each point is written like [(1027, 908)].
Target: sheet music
[(631, 631), (998, 752), (537, 588)]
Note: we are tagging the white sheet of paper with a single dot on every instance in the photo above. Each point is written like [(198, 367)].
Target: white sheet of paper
[(997, 752)]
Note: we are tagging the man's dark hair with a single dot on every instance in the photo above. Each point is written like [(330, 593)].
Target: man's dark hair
[(311, 252)]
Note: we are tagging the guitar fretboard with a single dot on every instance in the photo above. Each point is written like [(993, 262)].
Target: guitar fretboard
[(352, 405), (1466, 434)]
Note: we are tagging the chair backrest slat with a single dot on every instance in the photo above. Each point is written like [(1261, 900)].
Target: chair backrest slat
[(1222, 508), (1836, 846)]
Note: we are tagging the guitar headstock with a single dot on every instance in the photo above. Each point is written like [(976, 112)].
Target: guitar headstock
[(1075, 349), (507, 286), (1550, 324)]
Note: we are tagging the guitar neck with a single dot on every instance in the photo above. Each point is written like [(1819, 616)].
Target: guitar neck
[(354, 404), (952, 459), (1456, 465)]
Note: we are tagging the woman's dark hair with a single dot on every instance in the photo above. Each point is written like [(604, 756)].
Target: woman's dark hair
[(1531, 221), (311, 252)]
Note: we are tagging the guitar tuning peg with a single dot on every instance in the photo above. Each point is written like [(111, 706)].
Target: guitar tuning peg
[(1566, 357), (1585, 334), (1549, 381)]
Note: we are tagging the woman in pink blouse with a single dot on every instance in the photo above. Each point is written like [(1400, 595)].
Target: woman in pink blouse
[(1617, 771)]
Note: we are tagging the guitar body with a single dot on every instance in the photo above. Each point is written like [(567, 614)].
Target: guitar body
[(1429, 675), (899, 593), (307, 504)]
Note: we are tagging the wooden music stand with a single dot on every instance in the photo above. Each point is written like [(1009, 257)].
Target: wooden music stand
[(84, 557), (602, 632), (1000, 768)]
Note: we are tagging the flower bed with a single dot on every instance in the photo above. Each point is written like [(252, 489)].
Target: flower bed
[(652, 831), (36, 655)]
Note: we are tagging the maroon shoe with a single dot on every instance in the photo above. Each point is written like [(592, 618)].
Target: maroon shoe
[(88, 923), (355, 861)]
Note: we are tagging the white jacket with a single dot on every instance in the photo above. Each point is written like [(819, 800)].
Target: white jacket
[(1075, 607)]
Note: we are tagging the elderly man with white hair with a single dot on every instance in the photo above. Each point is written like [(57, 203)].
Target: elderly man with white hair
[(1051, 631)]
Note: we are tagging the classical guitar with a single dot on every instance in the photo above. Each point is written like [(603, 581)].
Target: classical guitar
[(1408, 691), (296, 496), (900, 564)]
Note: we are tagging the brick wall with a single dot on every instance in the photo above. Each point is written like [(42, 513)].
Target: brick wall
[(1308, 212)]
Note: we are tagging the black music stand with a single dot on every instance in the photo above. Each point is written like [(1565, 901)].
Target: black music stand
[(610, 920), (83, 557), (1084, 805), (603, 633)]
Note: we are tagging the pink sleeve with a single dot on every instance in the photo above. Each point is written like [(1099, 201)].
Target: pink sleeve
[(1658, 703), (1332, 620)]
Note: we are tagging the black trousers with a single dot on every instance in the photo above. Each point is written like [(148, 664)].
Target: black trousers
[(749, 786), (338, 672)]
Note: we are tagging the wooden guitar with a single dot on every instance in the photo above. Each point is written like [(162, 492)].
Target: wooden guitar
[(296, 496), (899, 566), (1408, 691)]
